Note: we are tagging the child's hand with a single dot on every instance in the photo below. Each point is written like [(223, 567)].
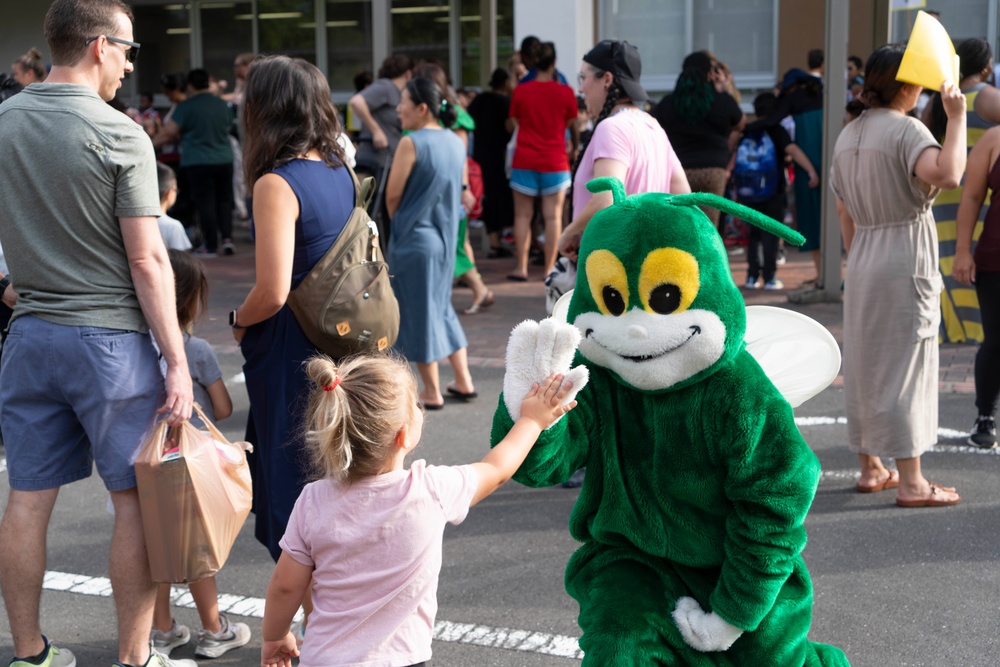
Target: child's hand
[(542, 404), (279, 652)]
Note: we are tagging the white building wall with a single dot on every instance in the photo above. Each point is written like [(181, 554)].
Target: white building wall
[(567, 23), (22, 29)]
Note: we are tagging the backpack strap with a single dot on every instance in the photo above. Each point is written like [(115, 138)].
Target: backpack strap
[(363, 190)]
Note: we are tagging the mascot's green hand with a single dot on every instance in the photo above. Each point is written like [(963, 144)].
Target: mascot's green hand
[(702, 631), (535, 351)]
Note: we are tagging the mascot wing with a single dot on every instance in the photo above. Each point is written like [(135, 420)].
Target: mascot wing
[(798, 354)]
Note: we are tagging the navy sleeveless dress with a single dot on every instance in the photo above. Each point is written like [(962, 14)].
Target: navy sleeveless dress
[(275, 349), (422, 248)]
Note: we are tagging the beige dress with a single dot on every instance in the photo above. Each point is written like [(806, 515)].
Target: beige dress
[(892, 287)]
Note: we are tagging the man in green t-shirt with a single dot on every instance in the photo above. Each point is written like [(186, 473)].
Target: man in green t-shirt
[(80, 381), (203, 123)]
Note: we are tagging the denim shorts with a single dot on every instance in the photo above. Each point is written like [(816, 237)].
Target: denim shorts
[(534, 183), (72, 396)]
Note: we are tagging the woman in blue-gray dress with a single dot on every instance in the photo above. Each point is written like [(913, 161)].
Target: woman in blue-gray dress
[(424, 199)]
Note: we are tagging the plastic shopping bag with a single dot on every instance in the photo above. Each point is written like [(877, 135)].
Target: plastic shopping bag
[(194, 495)]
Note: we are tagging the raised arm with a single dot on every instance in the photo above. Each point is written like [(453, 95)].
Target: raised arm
[(569, 241), (943, 167), (540, 408)]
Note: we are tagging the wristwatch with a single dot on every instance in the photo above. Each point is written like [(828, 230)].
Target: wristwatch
[(232, 320)]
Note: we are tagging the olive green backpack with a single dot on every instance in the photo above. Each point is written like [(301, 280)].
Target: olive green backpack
[(346, 304)]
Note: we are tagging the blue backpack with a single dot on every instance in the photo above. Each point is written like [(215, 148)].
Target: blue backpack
[(756, 173)]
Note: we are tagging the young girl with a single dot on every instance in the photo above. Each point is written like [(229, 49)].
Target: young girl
[(369, 534), (218, 635)]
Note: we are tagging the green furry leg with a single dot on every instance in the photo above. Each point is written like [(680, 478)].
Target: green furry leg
[(626, 599)]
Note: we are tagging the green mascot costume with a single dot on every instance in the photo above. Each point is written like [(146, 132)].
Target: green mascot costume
[(698, 481)]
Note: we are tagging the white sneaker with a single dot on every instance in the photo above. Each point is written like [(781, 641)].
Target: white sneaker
[(165, 642), (157, 659), (54, 657), (752, 283), (230, 636)]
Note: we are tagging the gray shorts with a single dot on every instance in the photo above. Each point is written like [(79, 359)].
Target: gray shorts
[(70, 396)]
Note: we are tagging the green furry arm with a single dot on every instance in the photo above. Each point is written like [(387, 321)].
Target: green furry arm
[(771, 480)]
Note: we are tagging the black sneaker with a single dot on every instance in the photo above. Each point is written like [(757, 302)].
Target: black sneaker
[(984, 433)]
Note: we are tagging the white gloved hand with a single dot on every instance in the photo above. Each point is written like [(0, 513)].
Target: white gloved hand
[(535, 351), (702, 631)]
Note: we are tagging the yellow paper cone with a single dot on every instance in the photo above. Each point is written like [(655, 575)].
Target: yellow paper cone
[(929, 59)]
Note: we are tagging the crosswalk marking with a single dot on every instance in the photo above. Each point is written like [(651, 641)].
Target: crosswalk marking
[(444, 631)]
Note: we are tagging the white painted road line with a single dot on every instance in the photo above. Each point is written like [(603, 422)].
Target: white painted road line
[(444, 631)]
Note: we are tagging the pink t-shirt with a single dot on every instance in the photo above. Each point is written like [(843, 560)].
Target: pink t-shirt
[(375, 546), (635, 139)]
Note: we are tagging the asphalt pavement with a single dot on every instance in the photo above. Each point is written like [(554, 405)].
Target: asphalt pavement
[(893, 586)]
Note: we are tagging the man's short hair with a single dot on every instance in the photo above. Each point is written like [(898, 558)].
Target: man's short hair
[(856, 61), (166, 178), (70, 23), (816, 58), (199, 79)]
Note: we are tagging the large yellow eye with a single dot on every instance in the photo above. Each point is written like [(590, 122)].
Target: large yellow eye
[(669, 281), (608, 282)]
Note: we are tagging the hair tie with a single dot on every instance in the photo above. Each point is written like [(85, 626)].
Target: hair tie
[(444, 104), (333, 385)]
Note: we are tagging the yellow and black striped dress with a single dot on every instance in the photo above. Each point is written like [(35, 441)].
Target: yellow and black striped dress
[(960, 321)]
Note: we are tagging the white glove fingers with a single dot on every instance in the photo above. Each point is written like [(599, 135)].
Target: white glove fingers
[(545, 347), (567, 338), (579, 376)]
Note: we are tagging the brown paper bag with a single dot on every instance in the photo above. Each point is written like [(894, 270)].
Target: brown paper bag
[(194, 505)]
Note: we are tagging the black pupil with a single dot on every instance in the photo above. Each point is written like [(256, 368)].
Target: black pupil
[(665, 298), (613, 300)]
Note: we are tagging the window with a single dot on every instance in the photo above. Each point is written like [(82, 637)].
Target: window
[(226, 32), (471, 48), (741, 33), (287, 27), (165, 35), (962, 18), (349, 41), (419, 32)]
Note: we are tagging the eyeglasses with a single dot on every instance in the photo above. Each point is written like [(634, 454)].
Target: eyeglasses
[(131, 53)]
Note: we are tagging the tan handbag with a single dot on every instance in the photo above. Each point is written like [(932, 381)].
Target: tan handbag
[(346, 304)]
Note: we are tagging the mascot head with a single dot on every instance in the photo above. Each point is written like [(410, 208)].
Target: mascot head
[(655, 299)]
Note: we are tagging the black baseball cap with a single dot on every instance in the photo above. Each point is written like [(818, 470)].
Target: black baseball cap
[(621, 59)]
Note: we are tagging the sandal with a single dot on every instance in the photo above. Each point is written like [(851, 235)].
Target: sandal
[(890, 482), (477, 306), (934, 499)]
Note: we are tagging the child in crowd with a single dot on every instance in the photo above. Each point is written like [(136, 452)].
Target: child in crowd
[(368, 535), (171, 229), (762, 252), (219, 635)]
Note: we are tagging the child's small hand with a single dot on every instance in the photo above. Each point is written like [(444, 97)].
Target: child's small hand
[(279, 652), (542, 404)]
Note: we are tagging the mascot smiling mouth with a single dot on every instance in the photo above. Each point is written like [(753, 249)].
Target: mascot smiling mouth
[(694, 328), (649, 351)]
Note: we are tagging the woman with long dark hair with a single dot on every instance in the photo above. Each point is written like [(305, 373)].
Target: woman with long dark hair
[(699, 119), (886, 170), (626, 143), (424, 199), (302, 198)]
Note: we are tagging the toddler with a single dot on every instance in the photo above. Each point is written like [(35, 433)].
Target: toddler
[(171, 229), (368, 534), (219, 634)]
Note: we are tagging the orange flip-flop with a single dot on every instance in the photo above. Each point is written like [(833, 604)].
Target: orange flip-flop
[(933, 500), (891, 482)]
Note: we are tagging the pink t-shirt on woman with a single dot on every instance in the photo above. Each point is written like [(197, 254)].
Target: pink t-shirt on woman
[(375, 546), (635, 139)]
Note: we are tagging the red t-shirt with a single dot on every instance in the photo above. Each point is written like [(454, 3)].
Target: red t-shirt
[(542, 109)]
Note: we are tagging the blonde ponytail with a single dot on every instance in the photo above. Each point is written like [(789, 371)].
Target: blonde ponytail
[(355, 411)]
